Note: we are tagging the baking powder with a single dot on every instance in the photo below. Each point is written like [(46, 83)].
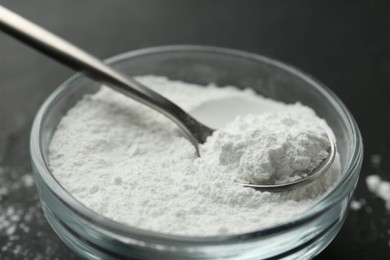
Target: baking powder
[(131, 164)]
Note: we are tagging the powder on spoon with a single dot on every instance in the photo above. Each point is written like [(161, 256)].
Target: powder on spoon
[(131, 164), (270, 148)]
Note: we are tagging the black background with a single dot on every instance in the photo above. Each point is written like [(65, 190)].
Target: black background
[(344, 44)]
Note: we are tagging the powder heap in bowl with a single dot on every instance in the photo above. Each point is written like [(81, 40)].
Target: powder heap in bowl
[(131, 164)]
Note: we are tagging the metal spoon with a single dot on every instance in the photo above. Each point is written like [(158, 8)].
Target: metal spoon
[(79, 60)]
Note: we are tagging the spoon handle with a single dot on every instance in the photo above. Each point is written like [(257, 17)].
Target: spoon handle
[(79, 60)]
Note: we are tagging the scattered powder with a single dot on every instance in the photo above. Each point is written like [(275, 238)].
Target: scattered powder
[(20, 215), (357, 204), (376, 160), (379, 187), (11, 217), (28, 180), (130, 164)]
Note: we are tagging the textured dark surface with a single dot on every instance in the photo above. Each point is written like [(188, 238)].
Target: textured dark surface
[(345, 44)]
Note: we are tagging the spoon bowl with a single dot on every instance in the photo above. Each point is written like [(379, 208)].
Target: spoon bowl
[(310, 177)]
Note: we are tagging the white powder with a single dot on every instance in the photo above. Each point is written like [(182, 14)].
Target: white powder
[(376, 160), (379, 187), (130, 164), (267, 148), (357, 204)]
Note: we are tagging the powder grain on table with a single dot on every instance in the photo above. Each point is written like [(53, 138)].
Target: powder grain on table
[(130, 164)]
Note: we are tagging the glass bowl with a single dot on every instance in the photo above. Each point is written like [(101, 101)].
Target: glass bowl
[(304, 236)]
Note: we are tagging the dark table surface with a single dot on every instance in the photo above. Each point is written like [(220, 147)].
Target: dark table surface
[(345, 44)]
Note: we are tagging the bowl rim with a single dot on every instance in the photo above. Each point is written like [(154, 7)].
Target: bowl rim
[(332, 198)]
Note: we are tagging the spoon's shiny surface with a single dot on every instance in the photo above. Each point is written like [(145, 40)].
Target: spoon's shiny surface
[(79, 60)]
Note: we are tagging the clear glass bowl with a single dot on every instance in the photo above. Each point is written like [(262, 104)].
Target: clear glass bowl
[(304, 236)]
